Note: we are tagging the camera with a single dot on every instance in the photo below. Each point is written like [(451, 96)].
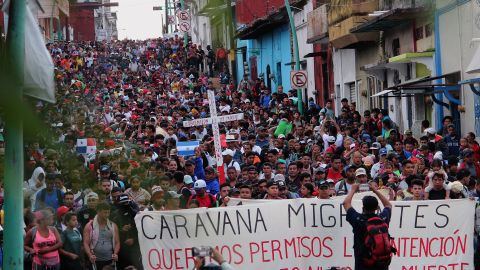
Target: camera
[(201, 251)]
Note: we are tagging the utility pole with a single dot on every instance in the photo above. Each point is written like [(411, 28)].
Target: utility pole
[(13, 226), (296, 53)]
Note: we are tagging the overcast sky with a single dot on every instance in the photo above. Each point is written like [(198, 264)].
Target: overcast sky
[(137, 20)]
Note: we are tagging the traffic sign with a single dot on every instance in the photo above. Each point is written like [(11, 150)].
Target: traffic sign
[(183, 15), (184, 26), (298, 78)]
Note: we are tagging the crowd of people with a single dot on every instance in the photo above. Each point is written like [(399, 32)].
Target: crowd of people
[(128, 100)]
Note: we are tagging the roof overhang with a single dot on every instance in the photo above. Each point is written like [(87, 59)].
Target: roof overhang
[(390, 19), (316, 54)]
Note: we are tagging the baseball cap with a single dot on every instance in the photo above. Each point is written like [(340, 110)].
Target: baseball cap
[(281, 184), (281, 136), (104, 168), (360, 171), (430, 131), (376, 145), (62, 210), (323, 183), (200, 184), (116, 189), (279, 177), (383, 152), (92, 195), (123, 199), (272, 183), (408, 131), (227, 152), (187, 180)]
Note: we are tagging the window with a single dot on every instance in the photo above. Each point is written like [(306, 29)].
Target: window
[(428, 30), (419, 33)]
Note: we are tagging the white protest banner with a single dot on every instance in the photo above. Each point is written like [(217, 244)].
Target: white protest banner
[(306, 234)]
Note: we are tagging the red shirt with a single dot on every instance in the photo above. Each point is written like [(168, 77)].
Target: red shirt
[(335, 176), (206, 201)]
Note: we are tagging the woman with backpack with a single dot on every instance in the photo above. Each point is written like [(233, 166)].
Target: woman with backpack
[(43, 242)]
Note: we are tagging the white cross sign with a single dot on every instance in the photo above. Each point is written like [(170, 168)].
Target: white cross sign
[(214, 119)]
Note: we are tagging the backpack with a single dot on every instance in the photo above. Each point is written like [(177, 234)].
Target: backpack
[(59, 196), (379, 246)]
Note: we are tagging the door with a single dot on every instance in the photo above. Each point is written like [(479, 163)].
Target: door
[(253, 68), (269, 80)]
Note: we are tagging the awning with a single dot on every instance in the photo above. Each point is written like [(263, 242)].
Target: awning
[(315, 54), (424, 87), (384, 92), (389, 20)]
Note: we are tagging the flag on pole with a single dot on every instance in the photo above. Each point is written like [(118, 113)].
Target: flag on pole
[(86, 146), (187, 148), (39, 70)]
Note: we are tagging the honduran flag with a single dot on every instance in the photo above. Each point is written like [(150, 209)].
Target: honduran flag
[(187, 148), (86, 146)]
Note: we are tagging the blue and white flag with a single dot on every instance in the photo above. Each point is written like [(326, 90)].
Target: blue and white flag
[(187, 148)]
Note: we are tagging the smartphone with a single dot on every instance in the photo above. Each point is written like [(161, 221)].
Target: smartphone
[(364, 188), (201, 251)]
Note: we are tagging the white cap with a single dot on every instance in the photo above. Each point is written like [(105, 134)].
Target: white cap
[(360, 171), (200, 184), (430, 131), (281, 136), (227, 152), (331, 139)]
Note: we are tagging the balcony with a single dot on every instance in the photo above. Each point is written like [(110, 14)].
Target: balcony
[(317, 25), (341, 37), (344, 9), (404, 4)]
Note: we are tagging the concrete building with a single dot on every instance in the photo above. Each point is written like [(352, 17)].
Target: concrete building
[(94, 20), (264, 45), (317, 35), (384, 58), (457, 29), (53, 19), (200, 32)]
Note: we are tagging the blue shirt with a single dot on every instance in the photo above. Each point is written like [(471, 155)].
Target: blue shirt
[(359, 225), (51, 199), (213, 187)]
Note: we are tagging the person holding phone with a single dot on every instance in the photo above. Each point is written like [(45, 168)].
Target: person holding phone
[(216, 256)]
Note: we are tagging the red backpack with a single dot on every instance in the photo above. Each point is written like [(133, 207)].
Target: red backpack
[(380, 247)]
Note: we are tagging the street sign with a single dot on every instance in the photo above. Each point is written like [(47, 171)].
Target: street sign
[(298, 78), (183, 15), (184, 26)]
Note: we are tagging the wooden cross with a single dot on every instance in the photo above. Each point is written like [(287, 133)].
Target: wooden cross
[(214, 120)]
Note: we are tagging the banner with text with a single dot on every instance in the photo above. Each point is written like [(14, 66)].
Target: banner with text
[(306, 234)]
